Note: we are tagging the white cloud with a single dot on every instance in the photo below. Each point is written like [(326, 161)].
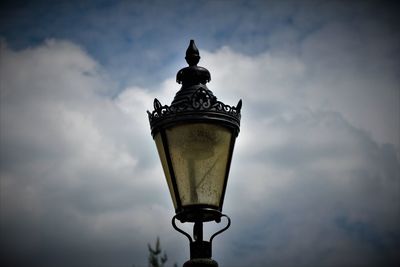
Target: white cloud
[(312, 181), (73, 159)]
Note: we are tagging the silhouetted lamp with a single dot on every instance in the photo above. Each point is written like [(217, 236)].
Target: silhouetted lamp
[(195, 137)]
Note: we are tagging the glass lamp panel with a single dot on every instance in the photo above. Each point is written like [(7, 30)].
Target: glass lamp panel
[(161, 153), (199, 155)]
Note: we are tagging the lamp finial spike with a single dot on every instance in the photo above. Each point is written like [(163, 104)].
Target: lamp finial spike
[(192, 54)]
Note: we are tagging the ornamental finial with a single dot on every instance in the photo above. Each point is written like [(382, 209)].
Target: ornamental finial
[(192, 54), (192, 75)]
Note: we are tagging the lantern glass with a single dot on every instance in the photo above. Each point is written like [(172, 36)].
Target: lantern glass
[(164, 163), (199, 154)]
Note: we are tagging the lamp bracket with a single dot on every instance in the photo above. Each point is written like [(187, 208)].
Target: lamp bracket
[(180, 230), (223, 229), (196, 225)]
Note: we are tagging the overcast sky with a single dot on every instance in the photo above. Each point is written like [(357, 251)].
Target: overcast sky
[(315, 177)]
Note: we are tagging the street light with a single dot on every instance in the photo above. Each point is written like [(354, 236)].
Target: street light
[(195, 137)]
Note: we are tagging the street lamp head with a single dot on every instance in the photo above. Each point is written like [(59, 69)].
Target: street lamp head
[(195, 137)]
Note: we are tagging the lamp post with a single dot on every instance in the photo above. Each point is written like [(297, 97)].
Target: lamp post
[(195, 137)]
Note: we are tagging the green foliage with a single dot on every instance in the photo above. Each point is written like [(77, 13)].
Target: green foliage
[(156, 257)]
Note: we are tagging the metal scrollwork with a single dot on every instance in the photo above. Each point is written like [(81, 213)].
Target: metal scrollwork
[(200, 100)]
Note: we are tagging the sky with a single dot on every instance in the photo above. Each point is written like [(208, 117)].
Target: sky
[(315, 176)]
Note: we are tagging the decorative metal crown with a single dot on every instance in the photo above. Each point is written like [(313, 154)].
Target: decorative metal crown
[(194, 101)]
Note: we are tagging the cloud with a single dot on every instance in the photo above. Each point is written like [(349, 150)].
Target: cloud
[(314, 181), (325, 194), (315, 174), (114, 31), (77, 169)]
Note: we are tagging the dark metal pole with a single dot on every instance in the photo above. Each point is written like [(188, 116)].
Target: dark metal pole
[(200, 250), (198, 231)]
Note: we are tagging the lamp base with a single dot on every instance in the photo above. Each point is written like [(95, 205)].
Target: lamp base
[(200, 263), (198, 213)]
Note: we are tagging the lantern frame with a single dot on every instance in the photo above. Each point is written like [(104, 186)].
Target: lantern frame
[(194, 103), (200, 107)]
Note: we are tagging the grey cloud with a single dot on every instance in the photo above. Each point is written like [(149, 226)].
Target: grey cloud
[(315, 175), (72, 182), (313, 189), (335, 204), (314, 181), (114, 31)]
